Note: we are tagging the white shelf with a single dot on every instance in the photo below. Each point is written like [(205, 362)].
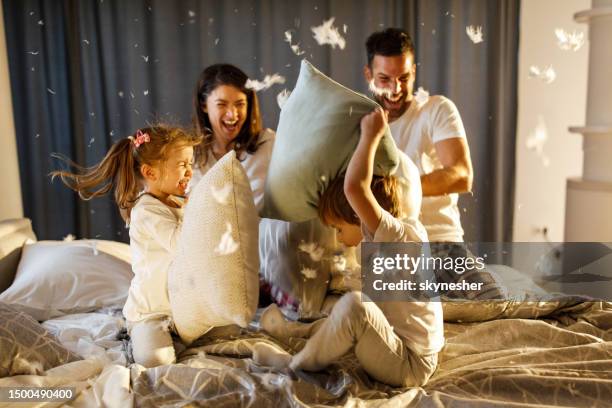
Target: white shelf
[(591, 130), (586, 15), (578, 183)]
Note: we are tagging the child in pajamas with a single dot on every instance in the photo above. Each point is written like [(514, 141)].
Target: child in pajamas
[(396, 342), (149, 172)]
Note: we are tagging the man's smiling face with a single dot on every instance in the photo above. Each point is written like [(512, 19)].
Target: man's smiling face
[(392, 81)]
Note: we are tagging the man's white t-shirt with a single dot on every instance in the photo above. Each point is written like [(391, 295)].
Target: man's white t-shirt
[(415, 133)]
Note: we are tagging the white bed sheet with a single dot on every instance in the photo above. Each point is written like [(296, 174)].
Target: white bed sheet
[(101, 378), (91, 335)]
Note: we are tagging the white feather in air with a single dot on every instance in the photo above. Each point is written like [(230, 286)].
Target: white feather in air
[(326, 33), (569, 41), (222, 194), (267, 82), (475, 33), (313, 249), (227, 245)]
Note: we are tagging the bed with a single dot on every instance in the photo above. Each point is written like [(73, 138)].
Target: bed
[(513, 353)]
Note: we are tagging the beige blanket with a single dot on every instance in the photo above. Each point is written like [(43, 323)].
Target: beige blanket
[(561, 358), (556, 353)]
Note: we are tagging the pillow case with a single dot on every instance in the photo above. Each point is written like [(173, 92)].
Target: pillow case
[(214, 279), (296, 262), (317, 133), (56, 278), (26, 347)]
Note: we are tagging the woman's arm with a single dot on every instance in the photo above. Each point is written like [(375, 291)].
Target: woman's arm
[(361, 169)]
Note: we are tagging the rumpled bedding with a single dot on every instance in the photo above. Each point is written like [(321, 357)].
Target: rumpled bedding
[(555, 353)]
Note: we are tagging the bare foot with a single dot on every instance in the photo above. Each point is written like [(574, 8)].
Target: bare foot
[(267, 355), (273, 321)]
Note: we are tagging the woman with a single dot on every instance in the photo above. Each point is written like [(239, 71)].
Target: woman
[(226, 114)]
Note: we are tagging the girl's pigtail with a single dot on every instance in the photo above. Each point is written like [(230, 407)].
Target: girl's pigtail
[(118, 169)]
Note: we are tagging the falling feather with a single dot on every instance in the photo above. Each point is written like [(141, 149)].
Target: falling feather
[(227, 245), (547, 75), (569, 41), (326, 33), (294, 47), (309, 273), (222, 194), (386, 93), (282, 97), (475, 33), (421, 96), (537, 139), (313, 249), (339, 263), (267, 82)]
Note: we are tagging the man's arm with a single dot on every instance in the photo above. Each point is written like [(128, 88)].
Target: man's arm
[(456, 176)]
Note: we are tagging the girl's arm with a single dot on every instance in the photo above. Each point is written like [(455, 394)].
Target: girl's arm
[(361, 169)]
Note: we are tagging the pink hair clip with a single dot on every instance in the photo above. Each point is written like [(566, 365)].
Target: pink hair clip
[(140, 138)]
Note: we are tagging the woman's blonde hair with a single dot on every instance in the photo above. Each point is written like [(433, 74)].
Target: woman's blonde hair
[(333, 203), (120, 168)]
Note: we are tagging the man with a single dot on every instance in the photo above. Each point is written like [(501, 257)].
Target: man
[(431, 133)]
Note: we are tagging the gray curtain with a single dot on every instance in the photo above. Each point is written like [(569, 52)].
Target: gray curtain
[(86, 73)]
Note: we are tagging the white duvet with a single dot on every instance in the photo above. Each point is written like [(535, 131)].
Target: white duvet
[(101, 378)]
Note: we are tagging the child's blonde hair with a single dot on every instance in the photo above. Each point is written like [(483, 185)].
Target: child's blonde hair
[(120, 168), (333, 203)]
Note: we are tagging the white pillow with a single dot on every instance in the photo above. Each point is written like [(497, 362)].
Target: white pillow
[(57, 277), (214, 279)]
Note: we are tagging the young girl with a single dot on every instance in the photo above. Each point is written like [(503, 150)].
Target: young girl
[(149, 171), (395, 342)]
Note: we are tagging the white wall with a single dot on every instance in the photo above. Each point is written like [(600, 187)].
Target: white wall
[(10, 204), (540, 188)]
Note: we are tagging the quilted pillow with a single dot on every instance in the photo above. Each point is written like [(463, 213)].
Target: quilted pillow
[(317, 133), (26, 347), (56, 278), (214, 280)]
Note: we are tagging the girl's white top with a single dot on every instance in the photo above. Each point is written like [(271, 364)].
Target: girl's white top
[(154, 232)]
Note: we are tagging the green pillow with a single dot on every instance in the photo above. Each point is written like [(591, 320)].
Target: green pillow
[(317, 133)]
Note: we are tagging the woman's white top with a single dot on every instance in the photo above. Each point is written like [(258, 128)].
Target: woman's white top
[(255, 165)]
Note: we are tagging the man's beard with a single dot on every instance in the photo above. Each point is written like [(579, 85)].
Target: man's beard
[(395, 109), (382, 96)]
